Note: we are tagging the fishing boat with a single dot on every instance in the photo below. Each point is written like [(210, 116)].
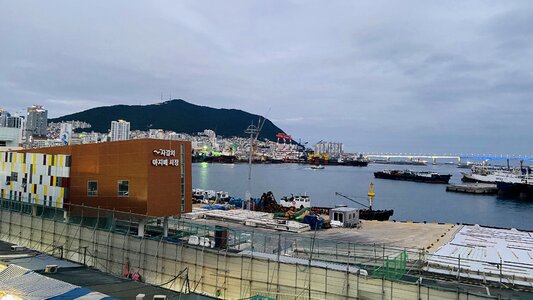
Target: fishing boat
[(298, 201), (485, 174), (408, 175)]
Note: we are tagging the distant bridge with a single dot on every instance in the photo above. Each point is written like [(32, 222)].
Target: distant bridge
[(435, 157)]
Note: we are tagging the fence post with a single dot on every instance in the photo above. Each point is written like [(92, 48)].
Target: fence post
[(459, 267), (501, 272), (279, 264)]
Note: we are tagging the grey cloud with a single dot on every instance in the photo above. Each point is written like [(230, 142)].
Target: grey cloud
[(411, 76)]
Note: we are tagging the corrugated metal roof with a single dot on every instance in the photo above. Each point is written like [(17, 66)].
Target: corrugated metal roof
[(12, 271), (39, 262), (32, 285), (29, 285)]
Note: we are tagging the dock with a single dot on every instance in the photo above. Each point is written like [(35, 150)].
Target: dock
[(478, 188)]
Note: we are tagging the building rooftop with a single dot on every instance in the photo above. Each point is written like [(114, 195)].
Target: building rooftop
[(345, 209), (77, 280)]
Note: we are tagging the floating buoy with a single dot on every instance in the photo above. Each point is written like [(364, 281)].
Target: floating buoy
[(371, 190)]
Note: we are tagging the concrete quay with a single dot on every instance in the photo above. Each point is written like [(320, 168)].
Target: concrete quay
[(404, 235)]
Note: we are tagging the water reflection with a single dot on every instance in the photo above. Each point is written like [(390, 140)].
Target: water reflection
[(411, 201)]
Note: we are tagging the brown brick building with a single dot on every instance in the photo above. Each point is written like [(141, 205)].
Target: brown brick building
[(144, 176)]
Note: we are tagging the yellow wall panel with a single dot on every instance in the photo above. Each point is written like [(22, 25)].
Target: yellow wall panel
[(45, 190), (60, 160)]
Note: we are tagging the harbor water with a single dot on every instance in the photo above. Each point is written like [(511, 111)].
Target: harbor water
[(411, 201)]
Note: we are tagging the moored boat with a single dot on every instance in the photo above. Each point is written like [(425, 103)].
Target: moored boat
[(298, 201), (485, 174), (408, 175)]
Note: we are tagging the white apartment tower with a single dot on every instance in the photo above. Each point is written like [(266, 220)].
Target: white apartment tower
[(120, 130)]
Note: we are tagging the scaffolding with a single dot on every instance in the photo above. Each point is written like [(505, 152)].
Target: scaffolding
[(242, 264), (393, 269)]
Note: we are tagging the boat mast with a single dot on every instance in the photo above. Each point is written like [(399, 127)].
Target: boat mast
[(253, 131)]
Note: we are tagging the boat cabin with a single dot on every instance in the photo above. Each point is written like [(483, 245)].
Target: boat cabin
[(344, 216)]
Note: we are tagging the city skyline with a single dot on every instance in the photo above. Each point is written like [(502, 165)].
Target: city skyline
[(447, 77)]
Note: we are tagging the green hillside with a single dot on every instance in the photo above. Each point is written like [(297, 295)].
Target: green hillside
[(176, 115)]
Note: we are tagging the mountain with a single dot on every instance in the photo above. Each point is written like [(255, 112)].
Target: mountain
[(177, 115)]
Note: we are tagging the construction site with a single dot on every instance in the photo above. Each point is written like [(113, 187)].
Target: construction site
[(229, 259)]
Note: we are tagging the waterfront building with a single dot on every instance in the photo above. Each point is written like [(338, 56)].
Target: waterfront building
[(330, 148), (34, 178), (120, 130), (144, 176), (10, 138), (11, 131), (37, 121)]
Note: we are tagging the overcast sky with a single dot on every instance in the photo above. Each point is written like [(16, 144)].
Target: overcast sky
[(396, 76)]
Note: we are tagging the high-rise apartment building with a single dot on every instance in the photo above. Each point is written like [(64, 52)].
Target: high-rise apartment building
[(14, 122), (120, 130), (329, 148), (37, 121), (3, 117)]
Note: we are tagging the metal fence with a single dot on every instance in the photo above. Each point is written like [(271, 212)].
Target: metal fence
[(402, 266)]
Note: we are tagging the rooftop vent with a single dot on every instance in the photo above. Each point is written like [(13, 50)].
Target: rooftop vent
[(17, 248), (50, 269)]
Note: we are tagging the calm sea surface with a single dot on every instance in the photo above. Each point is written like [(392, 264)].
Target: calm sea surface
[(411, 201)]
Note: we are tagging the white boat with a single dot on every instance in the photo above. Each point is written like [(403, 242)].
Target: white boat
[(318, 167), (297, 201), (485, 174), (204, 196)]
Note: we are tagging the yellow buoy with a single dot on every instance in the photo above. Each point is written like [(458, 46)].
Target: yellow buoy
[(371, 190)]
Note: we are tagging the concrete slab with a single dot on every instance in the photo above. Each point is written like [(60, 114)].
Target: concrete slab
[(407, 235)]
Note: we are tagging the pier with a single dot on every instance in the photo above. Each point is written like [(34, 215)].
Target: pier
[(478, 188), (449, 157)]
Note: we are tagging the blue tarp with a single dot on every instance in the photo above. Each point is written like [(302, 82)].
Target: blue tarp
[(215, 207), (314, 221), (81, 292)]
